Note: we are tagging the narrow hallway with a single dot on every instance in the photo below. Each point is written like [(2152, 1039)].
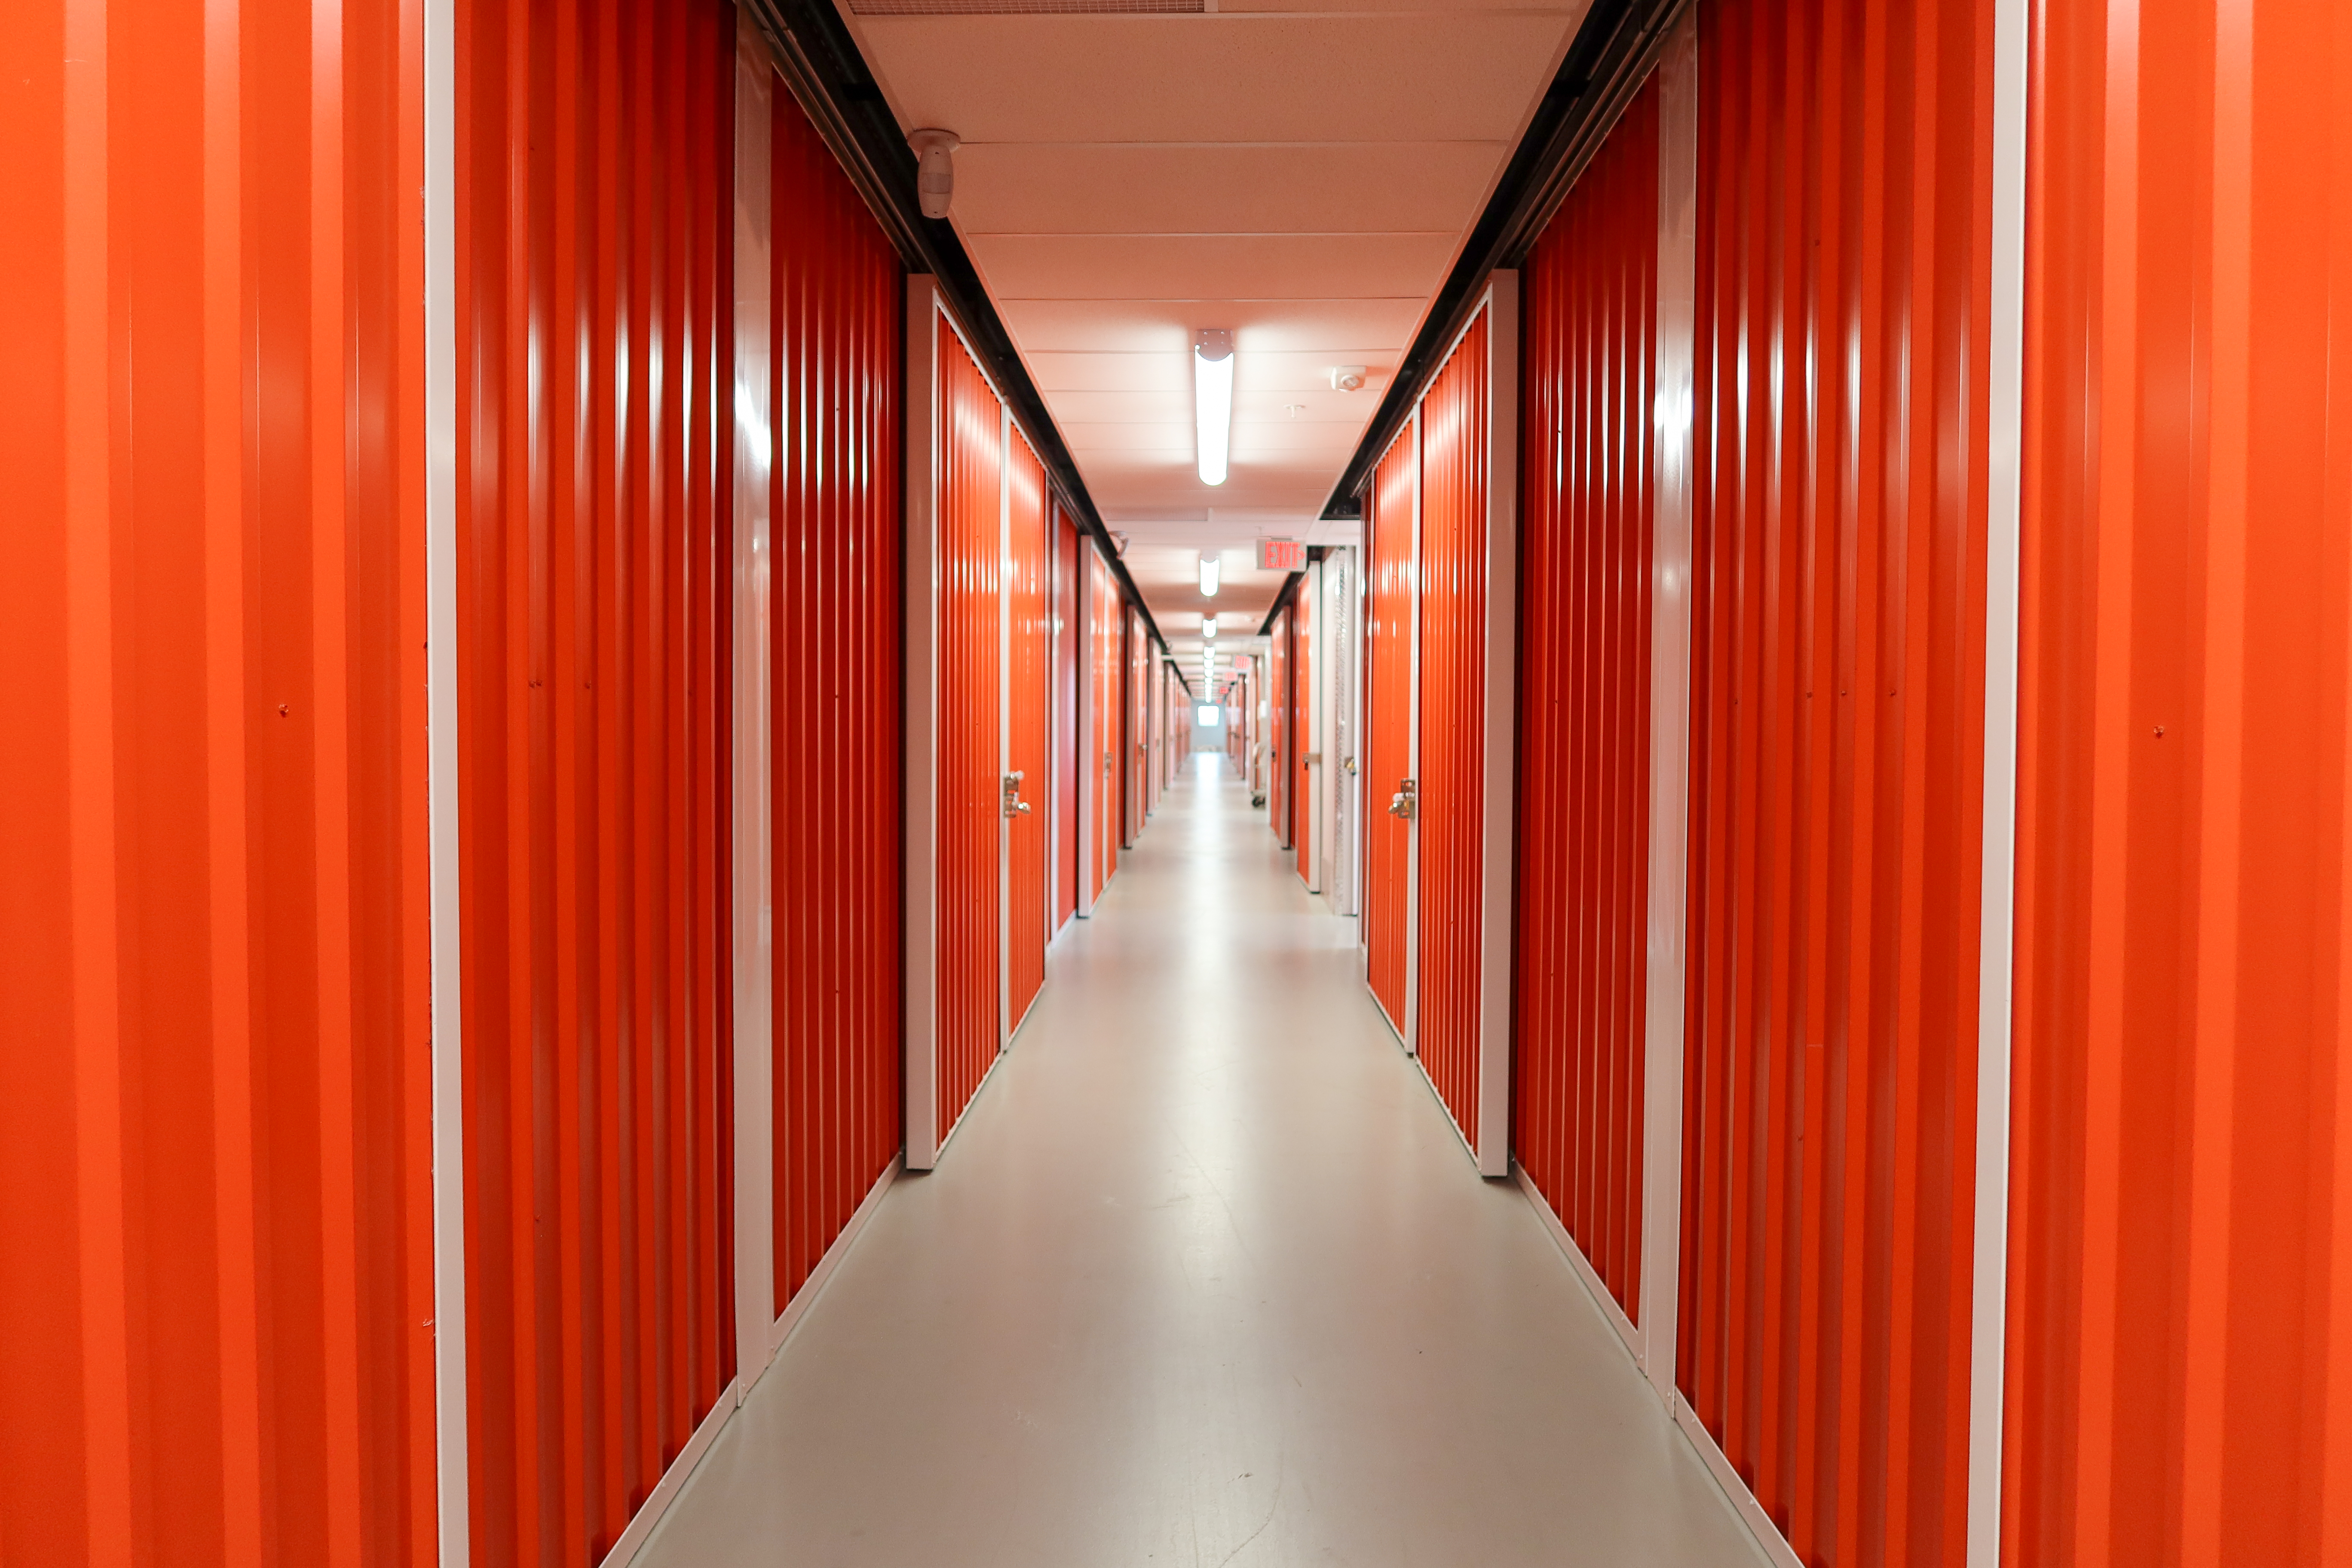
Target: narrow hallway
[(1204, 1278)]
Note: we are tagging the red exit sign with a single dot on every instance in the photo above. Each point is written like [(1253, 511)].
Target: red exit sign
[(1281, 555)]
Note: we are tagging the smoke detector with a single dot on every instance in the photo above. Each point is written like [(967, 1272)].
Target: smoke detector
[(935, 169), (1347, 378)]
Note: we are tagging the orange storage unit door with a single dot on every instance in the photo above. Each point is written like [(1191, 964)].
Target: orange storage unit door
[(1028, 833), (1589, 293), (1302, 727), (1279, 761), (1835, 780), (594, 194), (2180, 1338), (215, 1246), (1452, 574), (835, 326), (972, 554), (1387, 730), (1103, 621), (1069, 662)]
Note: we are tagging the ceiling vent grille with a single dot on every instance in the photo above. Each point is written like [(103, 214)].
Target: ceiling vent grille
[(1027, 8)]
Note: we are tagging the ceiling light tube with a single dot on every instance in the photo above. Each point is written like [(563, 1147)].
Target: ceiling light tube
[(1213, 400), (1208, 574), (1208, 622)]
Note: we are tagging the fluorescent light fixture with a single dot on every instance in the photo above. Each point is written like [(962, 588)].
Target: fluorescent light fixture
[(1208, 622), (1212, 402), (1208, 574)]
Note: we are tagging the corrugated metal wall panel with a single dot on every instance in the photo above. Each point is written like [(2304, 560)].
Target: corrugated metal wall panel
[(1069, 778), (1452, 570), (1278, 660), (971, 554), (839, 366), (1104, 624), (1028, 684), (2180, 1350), (1837, 714), (1586, 498), (594, 168), (1302, 728), (1137, 716), (1388, 724), (215, 1244)]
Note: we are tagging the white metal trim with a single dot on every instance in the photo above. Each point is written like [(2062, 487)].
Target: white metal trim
[(1735, 1490), (754, 760), (450, 1416), (796, 1310), (1499, 822), (922, 677), (1988, 1329), (1669, 676), (681, 1469), (1589, 1276)]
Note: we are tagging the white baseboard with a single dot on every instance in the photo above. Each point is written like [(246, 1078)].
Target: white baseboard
[(1751, 1513), (821, 1274), (1580, 1265), (1735, 1490), (674, 1479)]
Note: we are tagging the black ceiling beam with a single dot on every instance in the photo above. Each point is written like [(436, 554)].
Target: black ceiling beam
[(1606, 64), (820, 61)]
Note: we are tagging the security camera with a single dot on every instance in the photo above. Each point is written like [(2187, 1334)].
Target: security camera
[(935, 169), (1347, 378)]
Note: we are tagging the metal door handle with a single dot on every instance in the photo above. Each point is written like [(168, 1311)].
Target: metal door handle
[(1406, 802), (1013, 804)]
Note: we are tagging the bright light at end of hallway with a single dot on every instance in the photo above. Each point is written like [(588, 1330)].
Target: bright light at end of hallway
[(1213, 406), (1208, 574)]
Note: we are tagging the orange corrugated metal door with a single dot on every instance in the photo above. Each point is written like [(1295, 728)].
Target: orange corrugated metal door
[(1029, 637), (1302, 728), (2180, 1342), (836, 632), (215, 1208), (1590, 346), (1835, 783), (972, 554), (1102, 679), (594, 196), (1453, 692), (1278, 724), (1069, 688), (1388, 729), (1138, 721)]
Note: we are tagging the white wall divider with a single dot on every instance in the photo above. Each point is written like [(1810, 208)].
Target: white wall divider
[(922, 760), (1499, 822)]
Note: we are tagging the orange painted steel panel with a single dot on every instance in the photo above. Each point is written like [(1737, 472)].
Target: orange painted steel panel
[(215, 1254), (1028, 688), (1451, 573), (1589, 293), (836, 635), (1103, 634), (1136, 717), (1836, 770), (1388, 727), (2181, 1308), (971, 554), (594, 290), (1302, 722), (1278, 727), (1070, 777)]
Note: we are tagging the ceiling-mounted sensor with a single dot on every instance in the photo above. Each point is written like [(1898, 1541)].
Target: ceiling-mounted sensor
[(935, 169), (1347, 378)]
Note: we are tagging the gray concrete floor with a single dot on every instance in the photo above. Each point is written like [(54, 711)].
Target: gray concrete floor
[(1207, 1277)]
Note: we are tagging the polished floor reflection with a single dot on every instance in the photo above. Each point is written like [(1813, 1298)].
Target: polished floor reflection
[(1207, 1277)]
